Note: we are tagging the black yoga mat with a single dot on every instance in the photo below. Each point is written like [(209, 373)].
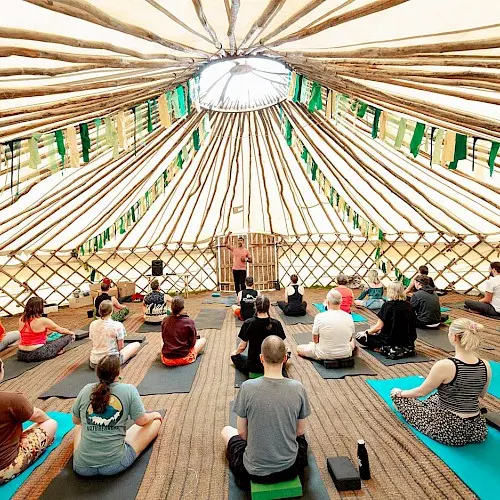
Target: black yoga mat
[(294, 320), (419, 358), (85, 328), (313, 487), (13, 367), (360, 367), (435, 338), (149, 327), (123, 486), (161, 379), (210, 319), (81, 334)]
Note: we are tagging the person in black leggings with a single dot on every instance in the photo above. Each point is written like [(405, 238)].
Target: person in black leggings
[(240, 258)]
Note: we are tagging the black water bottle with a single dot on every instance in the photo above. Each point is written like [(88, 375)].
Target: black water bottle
[(364, 465)]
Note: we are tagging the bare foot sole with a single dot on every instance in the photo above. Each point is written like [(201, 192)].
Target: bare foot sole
[(62, 351)]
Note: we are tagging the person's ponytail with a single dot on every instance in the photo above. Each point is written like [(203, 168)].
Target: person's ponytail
[(107, 370), (262, 305), (468, 331)]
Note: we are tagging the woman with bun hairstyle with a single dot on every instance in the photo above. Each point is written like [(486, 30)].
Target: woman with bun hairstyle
[(102, 444), (451, 416)]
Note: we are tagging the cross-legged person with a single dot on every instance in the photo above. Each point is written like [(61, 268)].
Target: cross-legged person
[(102, 444), (294, 304), (422, 271), (7, 338), (346, 292), (252, 333), (394, 333), (332, 334), (155, 305), (34, 329), (240, 258), (268, 443), (20, 448), (245, 308), (426, 304), (372, 297), (120, 311), (178, 331), (489, 305), (107, 336), (451, 415)]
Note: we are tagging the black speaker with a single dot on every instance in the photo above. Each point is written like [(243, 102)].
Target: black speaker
[(157, 267)]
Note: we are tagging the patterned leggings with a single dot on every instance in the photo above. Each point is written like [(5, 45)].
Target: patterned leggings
[(47, 351), (444, 426)]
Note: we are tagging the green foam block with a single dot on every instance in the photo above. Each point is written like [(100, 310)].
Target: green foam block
[(216, 294), (255, 375), (286, 489)]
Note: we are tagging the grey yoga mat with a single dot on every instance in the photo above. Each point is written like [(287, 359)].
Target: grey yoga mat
[(419, 358), (294, 320), (313, 487), (149, 327), (161, 379), (13, 367), (226, 301), (123, 486), (210, 318)]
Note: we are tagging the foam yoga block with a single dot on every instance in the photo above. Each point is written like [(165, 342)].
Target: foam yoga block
[(286, 489), (338, 363), (344, 475), (255, 375)]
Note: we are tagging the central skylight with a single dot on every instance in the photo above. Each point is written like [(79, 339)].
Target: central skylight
[(243, 84)]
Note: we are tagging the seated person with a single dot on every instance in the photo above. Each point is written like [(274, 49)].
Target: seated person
[(178, 331), (294, 304), (34, 329), (246, 300), (268, 445), (422, 271), (347, 295), (372, 297), (121, 311), (18, 448), (102, 444), (332, 334), (451, 416), (156, 303), (252, 333), (7, 338), (490, 304), (426, 304), (107, 336), (394, 333)]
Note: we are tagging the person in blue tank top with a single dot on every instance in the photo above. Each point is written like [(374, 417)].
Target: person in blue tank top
[(372, 297), (294, 304), (451, 415)]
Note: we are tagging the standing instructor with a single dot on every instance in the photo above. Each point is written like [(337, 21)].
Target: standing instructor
[(240, 258)]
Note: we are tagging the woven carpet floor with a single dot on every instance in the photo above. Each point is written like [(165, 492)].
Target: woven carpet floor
[(188, 456)]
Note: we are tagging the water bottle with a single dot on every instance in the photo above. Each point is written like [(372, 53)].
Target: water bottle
[(364, 465)]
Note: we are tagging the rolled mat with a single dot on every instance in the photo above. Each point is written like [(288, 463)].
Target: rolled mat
[(494, 388), (476, 465), (313, 487), (419, 358), (13, 367), (294, 320), (161, 379), (123, 486), (210, 319), (357, 318), (64, 425)]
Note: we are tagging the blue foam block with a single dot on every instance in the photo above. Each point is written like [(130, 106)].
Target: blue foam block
[(357, 318), (477, 465), (494, 388)]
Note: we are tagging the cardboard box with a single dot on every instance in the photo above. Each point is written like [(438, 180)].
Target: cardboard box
[(95, 290), (125, 288), (80, 302)]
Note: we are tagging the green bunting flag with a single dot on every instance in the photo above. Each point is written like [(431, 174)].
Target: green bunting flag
[(288, 132), (84, 135), (416, 140), (315, 102), (61, 148), (460, 151), (376, 119), (495, 146)]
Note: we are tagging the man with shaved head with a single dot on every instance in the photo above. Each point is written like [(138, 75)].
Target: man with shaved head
[(268, 445)]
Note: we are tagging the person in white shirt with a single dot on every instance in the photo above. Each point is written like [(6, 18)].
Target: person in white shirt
[(333, 334), (107, 336), (294, 304), (489, 305)]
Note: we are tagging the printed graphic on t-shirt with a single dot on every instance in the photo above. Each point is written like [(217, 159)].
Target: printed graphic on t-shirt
[(108, 419)]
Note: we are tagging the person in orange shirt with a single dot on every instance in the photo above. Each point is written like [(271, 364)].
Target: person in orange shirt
[(347, 295), (7, 338), (240, 258)]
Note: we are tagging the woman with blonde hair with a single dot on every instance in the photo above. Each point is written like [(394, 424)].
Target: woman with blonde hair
[(394, 333), (451, 416), (372, 297)]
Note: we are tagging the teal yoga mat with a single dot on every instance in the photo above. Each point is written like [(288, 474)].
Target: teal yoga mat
[(476, 465), (494, 388), (445, 309), (65, 424), (357, 318)]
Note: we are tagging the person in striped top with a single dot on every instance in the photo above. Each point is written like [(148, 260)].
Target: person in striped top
[(451, 415)]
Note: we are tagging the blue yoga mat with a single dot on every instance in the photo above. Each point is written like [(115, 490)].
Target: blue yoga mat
[(357, 318), (477, 465), (494, 388), (65, 424), (445, 309)]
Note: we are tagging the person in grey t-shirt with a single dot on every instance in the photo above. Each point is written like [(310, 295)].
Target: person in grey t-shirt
[(268, 445)]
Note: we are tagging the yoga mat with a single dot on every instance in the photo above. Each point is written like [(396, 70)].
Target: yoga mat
[(149, 327), (295, 320), (461, 305), (494, 387), (306, 337), (226, 301), (419, 358), (13, 367), (435, 338), (493, 419), (357, 318), (445, 309), (134, 338), (65, 424), (476, 465), (161, 379), (210, 319), (85, 328), (239, 377), (123, 486), (313, 487)]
